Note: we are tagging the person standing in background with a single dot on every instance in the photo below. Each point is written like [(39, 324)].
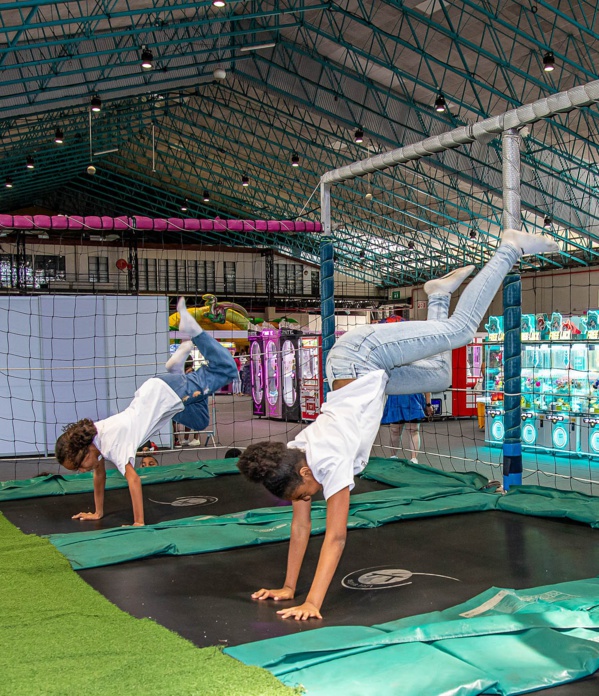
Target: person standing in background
[(405, 412), (236, 384)]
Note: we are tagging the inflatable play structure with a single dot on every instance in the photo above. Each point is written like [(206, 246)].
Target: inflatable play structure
[(215, 316), (226, 316)]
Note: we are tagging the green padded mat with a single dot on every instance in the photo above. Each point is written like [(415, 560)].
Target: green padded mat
[(205, 533), (502, 641), (547, 502), (57, 484), (418, 491)]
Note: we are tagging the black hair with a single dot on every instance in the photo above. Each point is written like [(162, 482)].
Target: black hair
[(272, 464), (233, 452), (72, 446)]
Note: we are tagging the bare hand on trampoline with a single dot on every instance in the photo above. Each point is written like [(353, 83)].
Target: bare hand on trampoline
[(87, 516), (282, 593), (304, 611)]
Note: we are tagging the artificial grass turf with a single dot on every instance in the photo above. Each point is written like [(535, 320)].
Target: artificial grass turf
[(61, 637)]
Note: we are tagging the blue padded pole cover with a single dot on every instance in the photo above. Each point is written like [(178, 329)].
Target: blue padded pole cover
[(512, 312)]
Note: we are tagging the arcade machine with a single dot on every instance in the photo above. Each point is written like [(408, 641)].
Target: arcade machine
[(466, 363), (290, 342), (589, 422), (310, 378), (536, 365), (493, 382), (560, 368), (272, 373), (257, 375)]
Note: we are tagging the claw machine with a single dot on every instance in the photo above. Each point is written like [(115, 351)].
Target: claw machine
[(310, 376), (272, 373), (290, 380), (257, 375)]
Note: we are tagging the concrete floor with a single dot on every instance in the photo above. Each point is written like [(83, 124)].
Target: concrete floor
[(451, 445)]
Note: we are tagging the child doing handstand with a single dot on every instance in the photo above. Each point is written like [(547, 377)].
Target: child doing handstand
[(365, 365), (85, 445)]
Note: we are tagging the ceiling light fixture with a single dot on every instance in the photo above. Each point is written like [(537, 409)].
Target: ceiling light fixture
[(410, 244), (59, 136), (206, 197), (219, 3), (295, 160), (472, 234), (184, 206), (147, 59), (548, 61), (245, 180), (96, 104), (547, 221), (440, 104), (30, 162), (359, 135), (8, 182), (257, 47)]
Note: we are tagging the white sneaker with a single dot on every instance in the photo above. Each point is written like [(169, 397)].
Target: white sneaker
[(178, 444), (195, 442), (526, 243), (448, 283), (187, 324), (414, 460)]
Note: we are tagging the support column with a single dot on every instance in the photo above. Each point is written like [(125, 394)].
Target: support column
[(327, 281), (512, 313), (133, 261), (269, 259), (21, 263)]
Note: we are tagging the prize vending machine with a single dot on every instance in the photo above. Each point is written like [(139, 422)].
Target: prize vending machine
[(589, 439), (536, 368), (466, 364), (493, 382), (290, 374), (564, 424), (257, 375), (310, 384), (272, 373), (589, 432)]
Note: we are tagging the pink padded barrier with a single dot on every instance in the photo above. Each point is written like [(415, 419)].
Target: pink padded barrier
[(93, 223)]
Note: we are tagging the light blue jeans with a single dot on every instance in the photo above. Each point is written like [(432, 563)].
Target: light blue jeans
[(417, 354)]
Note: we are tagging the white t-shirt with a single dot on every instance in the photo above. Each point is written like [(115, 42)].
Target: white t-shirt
[(119, 436), (337, 445)]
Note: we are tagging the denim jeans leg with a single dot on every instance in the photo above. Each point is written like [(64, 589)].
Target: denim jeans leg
[(220, 370), (429, 375), (394, 345)]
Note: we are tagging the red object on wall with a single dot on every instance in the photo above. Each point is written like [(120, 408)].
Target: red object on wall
[(465, 374)]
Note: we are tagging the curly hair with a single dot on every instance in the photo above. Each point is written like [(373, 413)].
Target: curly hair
[(272, 464), (71, 447)]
